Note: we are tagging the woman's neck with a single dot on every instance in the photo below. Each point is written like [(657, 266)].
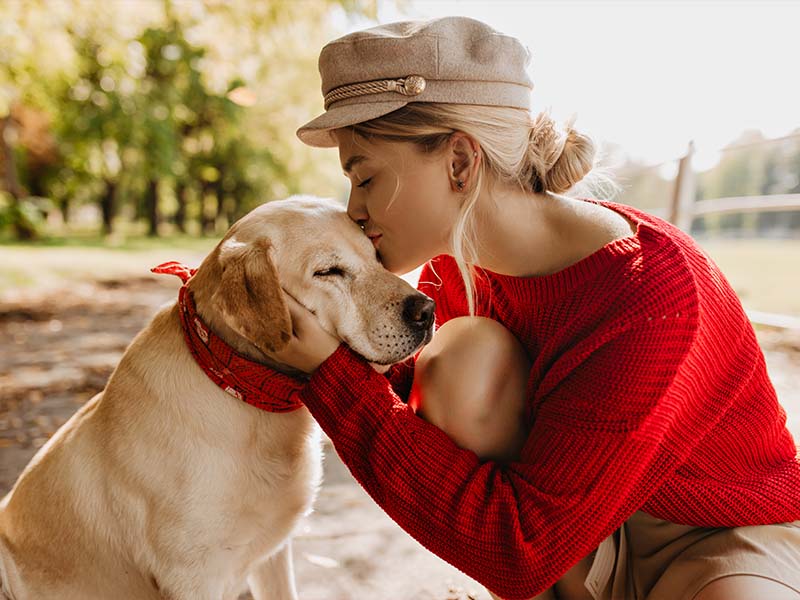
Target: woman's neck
[(517, 233), (525, 234)]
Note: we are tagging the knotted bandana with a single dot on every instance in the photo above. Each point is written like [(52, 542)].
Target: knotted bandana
[(249, 381)]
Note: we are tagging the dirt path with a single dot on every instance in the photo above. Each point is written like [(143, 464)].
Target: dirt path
[(58, 349)]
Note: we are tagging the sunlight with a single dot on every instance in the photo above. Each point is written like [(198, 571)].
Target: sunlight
[(650, 76)]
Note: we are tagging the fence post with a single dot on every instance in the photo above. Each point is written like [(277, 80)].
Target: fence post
[(683, 193)]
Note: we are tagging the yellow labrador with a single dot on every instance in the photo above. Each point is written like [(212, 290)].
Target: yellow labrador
[(165, 486)]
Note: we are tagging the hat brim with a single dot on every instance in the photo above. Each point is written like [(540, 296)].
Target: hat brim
[(319, 131)]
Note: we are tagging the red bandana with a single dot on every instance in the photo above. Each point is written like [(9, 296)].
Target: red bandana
[(241, 377)]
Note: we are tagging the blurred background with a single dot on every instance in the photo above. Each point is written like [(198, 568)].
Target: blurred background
[(134, 124), (133, 132)]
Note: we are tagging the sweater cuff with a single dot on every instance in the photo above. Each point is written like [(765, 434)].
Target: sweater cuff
[(281, 386), (338, 383)]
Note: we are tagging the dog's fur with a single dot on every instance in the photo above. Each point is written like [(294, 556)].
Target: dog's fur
[(165, 486)]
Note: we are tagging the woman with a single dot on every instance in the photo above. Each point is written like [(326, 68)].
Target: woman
[(600, 396)]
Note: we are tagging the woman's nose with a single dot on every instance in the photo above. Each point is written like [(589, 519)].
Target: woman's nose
[(357, 211)]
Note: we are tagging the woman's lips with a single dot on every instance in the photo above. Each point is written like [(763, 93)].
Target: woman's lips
[(375, 240)]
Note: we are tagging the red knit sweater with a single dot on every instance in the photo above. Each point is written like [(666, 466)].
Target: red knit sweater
[(648, 391)]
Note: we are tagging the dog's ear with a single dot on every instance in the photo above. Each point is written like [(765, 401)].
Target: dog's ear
[(249, 296)]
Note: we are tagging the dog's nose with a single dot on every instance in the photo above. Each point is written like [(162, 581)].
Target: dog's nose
[(418, 311)]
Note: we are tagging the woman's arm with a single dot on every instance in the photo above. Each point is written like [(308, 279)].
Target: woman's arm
[(310, 345), (516, 528), (401, 377)]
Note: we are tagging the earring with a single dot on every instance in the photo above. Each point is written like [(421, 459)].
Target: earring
[(459, 185)]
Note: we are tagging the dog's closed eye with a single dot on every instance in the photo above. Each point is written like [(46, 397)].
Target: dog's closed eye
[(332, 271)]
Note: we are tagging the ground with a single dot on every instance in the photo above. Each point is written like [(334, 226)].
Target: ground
[(58, 347)]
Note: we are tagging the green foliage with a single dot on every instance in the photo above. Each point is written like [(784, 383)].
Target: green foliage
[(24, 218), (168, 112)]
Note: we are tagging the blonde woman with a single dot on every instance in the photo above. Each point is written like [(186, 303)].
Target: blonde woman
[(593, 418)]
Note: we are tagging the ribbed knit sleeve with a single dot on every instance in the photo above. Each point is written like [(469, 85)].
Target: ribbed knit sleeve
[(517, 528), (401, 377), (282, 387)]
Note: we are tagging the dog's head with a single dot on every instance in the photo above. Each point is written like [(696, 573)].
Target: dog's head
[(311, 248)]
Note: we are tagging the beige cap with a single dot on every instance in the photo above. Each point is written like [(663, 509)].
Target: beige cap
[(369, 73)]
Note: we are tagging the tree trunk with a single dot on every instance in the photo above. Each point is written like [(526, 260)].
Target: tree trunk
[(180, 215), (222, 202), (9, 161), (22, 228), (219, 192), (108, 207), (64, 207), (207, 213), (230, 209), (151, 199)]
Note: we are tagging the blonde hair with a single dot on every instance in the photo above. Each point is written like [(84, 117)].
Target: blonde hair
[(517, 149)]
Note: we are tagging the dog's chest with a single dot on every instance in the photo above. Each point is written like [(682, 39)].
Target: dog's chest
[(271, 483), (248, 499)]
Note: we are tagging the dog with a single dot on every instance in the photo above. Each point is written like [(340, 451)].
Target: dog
[(167, 485)]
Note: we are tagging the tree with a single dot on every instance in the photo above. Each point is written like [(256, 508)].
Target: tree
[(146, 101)]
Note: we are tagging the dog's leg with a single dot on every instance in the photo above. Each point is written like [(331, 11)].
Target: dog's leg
[(273, 579)]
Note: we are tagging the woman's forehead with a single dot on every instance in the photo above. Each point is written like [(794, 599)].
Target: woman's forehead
[(351, 161), (351, 141), (353, 153), (350, 153), (356, 151)]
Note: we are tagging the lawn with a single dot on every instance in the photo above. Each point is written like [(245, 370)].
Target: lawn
[(764, 273), (58, 262)]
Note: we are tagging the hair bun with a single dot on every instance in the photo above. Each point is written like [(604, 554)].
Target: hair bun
[(560, 159)]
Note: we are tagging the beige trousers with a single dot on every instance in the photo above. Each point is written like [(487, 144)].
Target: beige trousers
[(652, 559)]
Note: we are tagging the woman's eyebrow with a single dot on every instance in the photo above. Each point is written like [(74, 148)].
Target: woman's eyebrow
[(353, 161)]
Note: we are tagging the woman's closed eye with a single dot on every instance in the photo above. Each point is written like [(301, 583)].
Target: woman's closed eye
[(365, 183)]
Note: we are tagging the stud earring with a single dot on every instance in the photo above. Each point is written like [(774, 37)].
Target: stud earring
[(459, 185)]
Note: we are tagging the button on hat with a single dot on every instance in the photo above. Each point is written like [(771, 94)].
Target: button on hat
[(370, 73)]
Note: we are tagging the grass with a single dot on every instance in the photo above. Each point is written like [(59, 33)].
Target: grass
[(134, 243), (765, 273), (58, 262)]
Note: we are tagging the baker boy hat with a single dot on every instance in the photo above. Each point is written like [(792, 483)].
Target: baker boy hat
[(370, 73)]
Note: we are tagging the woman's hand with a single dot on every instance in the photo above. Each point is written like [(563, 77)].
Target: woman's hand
[(310, 345)]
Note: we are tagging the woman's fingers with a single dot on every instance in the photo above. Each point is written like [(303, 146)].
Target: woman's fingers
[(310, 344), (290, 300), (297, 311)]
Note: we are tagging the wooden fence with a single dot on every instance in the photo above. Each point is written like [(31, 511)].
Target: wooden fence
[(683, 209)]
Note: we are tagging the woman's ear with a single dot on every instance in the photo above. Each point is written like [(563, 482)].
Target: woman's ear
[(249, 296), (463, 161)]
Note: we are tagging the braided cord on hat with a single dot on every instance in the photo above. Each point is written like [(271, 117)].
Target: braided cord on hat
[(411, 85)]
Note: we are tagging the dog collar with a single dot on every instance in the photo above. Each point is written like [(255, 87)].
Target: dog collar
[(242, 378)]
